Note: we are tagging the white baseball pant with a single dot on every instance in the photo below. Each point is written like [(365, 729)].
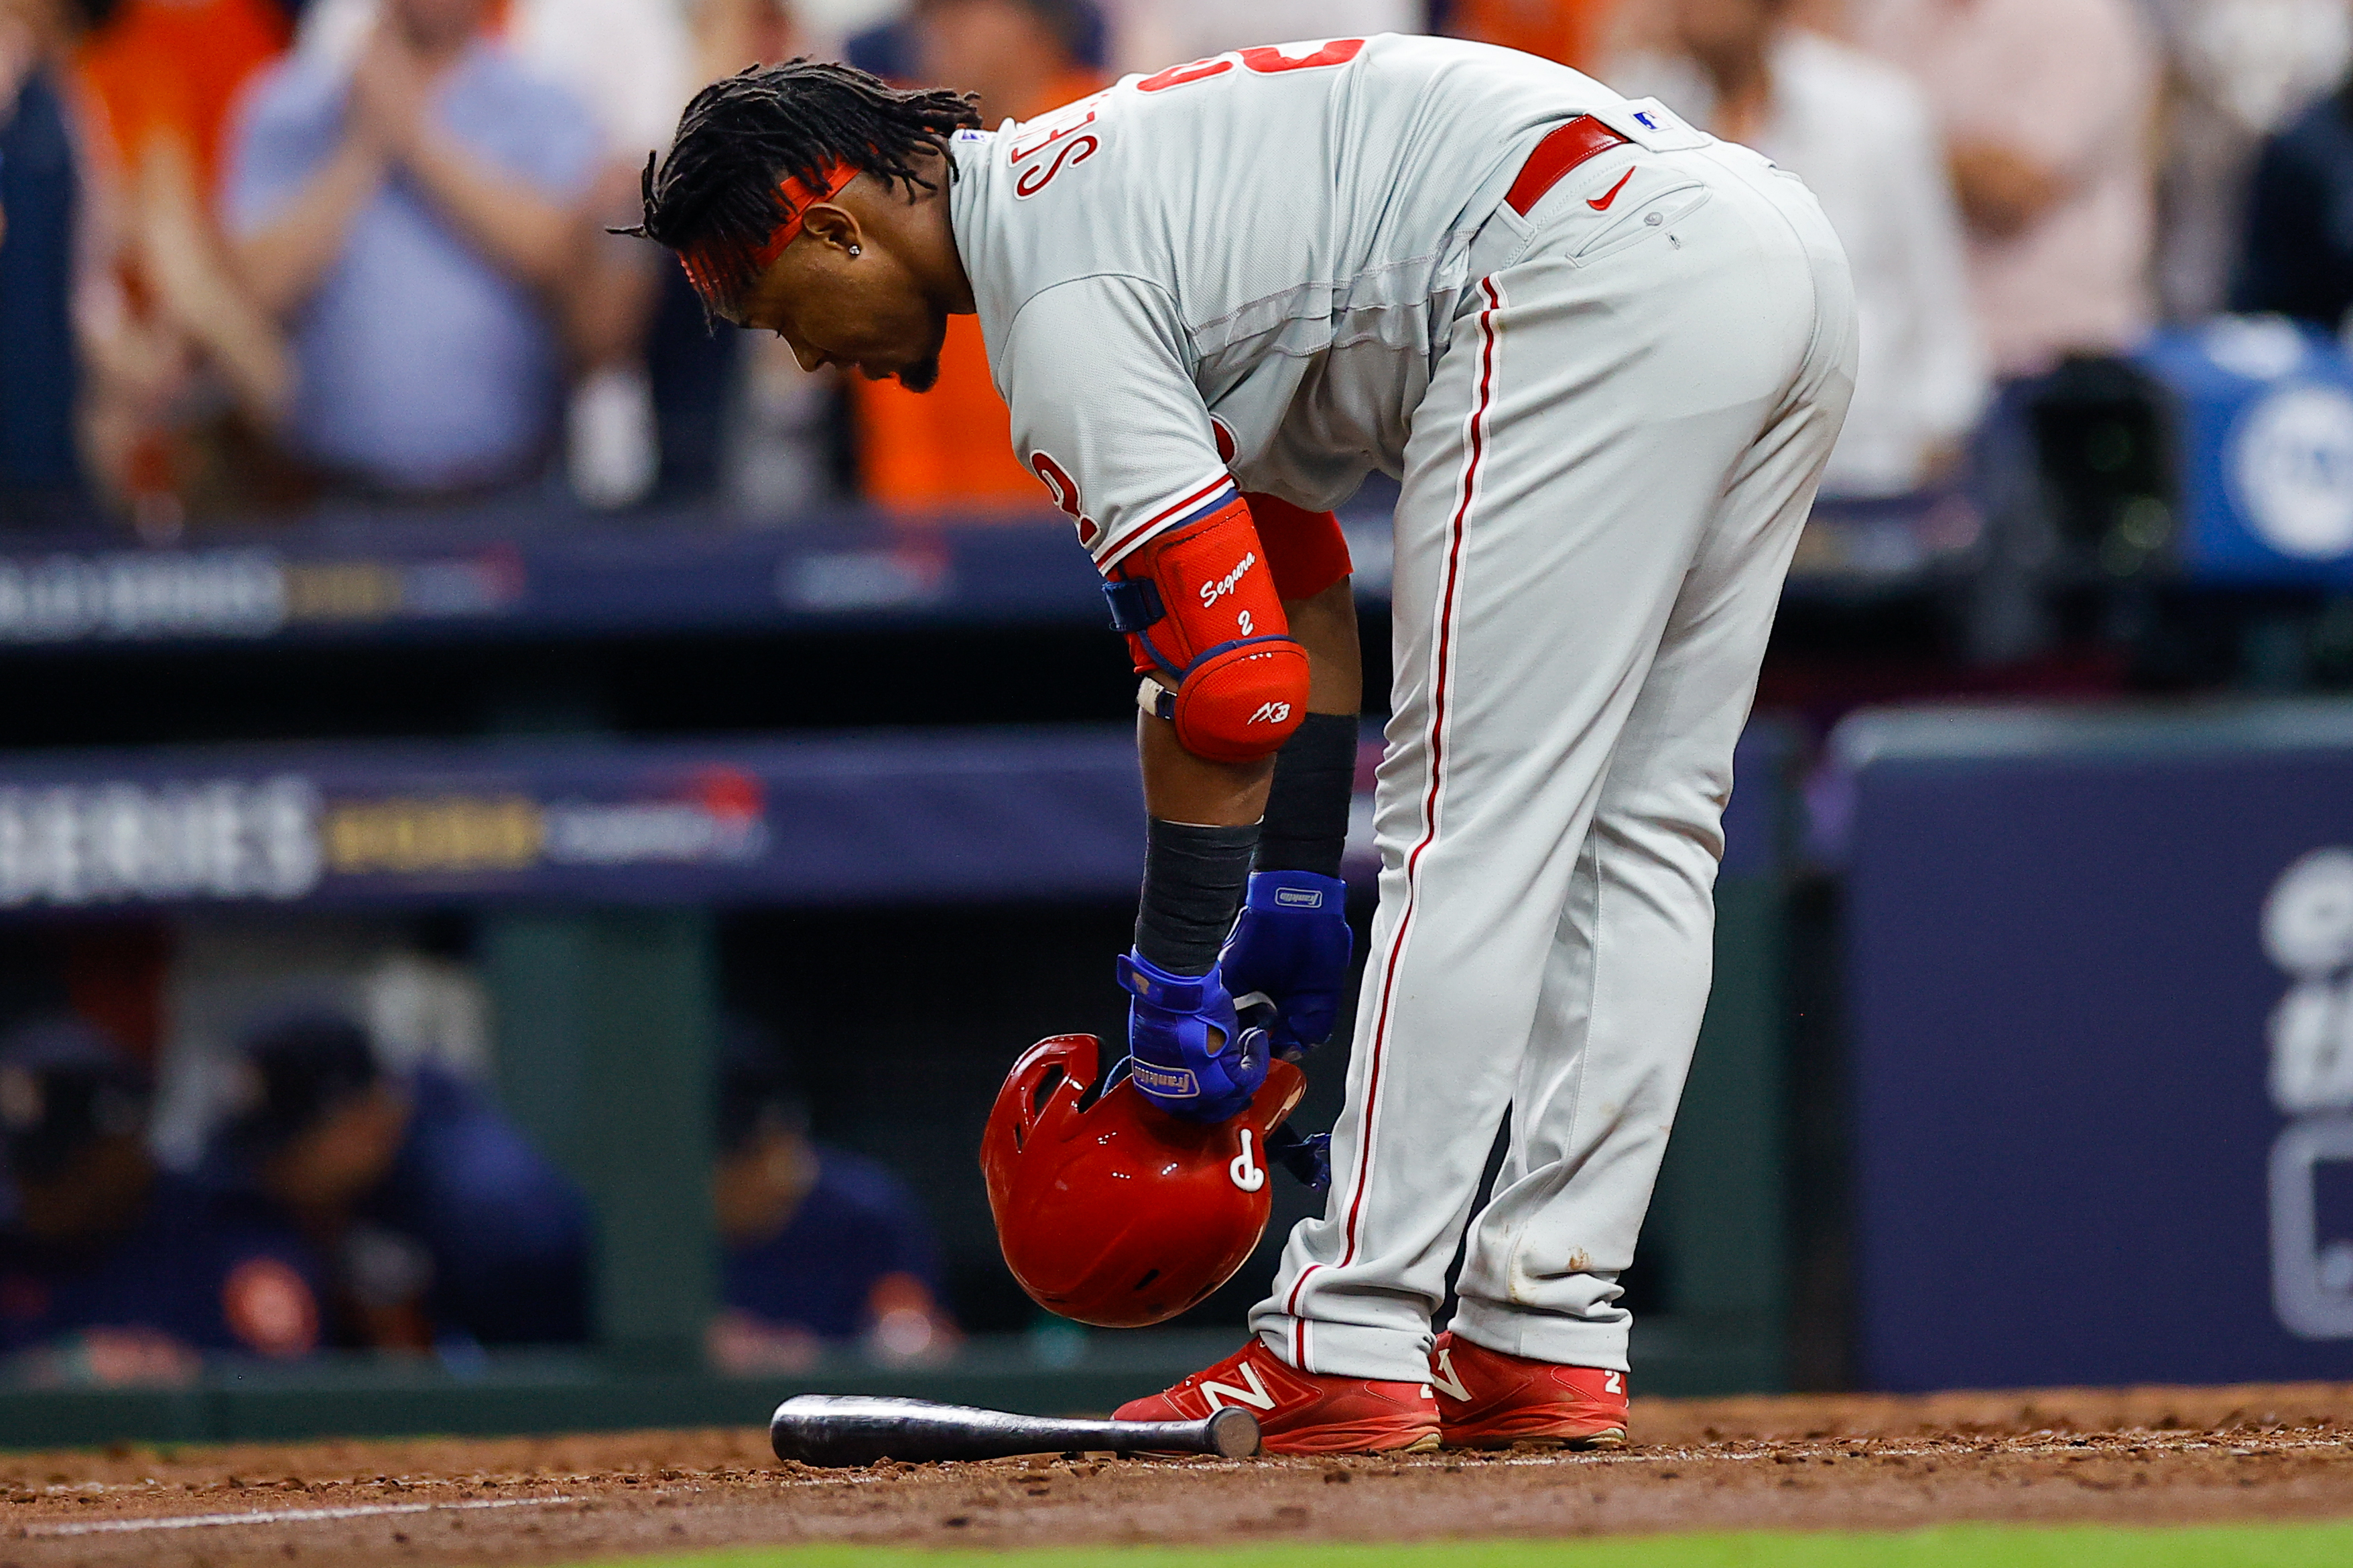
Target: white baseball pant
[(1602, 490)]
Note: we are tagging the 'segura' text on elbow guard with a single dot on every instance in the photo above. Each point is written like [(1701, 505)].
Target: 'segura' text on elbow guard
[(1198, 606)]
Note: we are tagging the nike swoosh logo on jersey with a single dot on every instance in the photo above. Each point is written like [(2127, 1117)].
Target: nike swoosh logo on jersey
[(1601, 203)]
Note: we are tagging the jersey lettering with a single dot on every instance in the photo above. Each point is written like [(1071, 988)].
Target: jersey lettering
[(1177, 76), (1067, 121), (1037, 177), (1268, 60), (1065, 492), (1024, 151), (1263, 61)]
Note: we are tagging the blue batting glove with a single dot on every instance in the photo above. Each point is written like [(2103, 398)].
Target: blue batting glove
[(1292, 944), (1170, 1028)]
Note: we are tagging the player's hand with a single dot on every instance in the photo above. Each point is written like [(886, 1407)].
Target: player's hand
[(1292, 944), (1187, 1052), (1306, 1155)]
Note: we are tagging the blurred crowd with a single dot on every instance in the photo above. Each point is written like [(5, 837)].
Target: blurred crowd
[(335, 1199), (261, 256)]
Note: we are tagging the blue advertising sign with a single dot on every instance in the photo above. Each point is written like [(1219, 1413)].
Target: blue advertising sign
[(2264, 438), (903, 817), (2100, 978)]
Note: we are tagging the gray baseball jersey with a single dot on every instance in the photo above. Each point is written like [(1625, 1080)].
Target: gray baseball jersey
[(1247, 268)]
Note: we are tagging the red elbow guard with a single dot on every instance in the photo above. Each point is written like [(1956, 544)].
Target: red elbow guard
[(1306, 550), (1199, 607)]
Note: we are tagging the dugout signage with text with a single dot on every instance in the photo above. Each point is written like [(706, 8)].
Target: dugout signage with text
[(502, 574), (2100, 974), (909, 815)]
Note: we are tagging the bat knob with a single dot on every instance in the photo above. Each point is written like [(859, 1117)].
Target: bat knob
[(1232, 1433)]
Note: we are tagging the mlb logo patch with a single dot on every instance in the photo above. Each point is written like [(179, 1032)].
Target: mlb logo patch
[(1644, 118)]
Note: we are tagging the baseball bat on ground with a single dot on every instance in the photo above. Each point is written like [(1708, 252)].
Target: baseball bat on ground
[(847, 1429)]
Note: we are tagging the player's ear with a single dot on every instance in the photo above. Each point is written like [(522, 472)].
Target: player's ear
[(835, 228)]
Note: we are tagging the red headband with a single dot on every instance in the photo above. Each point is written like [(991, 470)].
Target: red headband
[(702, 266)]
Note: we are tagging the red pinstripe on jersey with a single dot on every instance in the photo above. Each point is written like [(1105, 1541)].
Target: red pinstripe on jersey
[(1218, 492)]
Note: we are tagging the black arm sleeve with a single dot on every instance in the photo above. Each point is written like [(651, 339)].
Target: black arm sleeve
[(1193, 880), (1306, 822)]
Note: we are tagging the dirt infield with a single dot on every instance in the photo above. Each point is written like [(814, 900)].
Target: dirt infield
[(2147, 1456)]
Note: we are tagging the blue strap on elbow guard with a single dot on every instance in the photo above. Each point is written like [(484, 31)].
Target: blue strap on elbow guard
[(1170, 1023)]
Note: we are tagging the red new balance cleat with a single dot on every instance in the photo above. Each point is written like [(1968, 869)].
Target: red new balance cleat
[(1301, 1412), (1490, 1400)]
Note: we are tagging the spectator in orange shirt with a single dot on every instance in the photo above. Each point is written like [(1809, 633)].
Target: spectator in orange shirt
[(953, 447), (1574, 32), (172, 68), (186, 374)]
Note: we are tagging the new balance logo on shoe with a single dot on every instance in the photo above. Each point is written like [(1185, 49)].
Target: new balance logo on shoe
[(1519, 1399), (1221, 1394), (1301, 1412)]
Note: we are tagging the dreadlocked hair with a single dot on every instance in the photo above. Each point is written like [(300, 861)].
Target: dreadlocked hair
[(716, 192)]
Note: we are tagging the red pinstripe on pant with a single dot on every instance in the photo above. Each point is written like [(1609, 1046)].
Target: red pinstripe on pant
[(1442, 674)]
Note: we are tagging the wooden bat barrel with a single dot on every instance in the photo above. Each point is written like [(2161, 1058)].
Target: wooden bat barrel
[(849, 1429)]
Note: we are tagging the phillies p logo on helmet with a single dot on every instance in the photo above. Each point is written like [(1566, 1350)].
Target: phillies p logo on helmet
[(1112, 1212)]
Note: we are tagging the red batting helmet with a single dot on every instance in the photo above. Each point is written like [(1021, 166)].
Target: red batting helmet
[(1111, 1211)]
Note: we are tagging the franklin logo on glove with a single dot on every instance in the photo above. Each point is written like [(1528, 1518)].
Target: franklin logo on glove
[(1164, 1084)]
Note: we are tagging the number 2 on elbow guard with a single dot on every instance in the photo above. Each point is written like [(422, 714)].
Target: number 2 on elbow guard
[(1237, 692)]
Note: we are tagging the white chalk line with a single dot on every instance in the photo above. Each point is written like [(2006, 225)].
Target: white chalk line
[(282, 1516)]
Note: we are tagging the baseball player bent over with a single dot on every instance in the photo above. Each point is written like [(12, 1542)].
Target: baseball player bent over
[(1605, 355)]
